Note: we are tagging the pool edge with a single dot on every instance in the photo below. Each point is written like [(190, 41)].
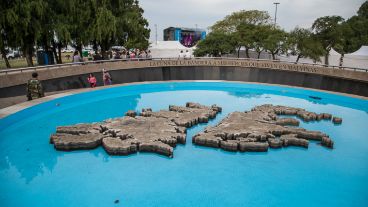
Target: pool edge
[(21, 106)]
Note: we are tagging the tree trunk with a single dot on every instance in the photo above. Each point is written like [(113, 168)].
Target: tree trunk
[(45, 43), (105, 47), (95, 46), (28, 53), (54, 51), (56, 57), (273, 56), (79, 49), (59, 52), (29, 59), (239, 51), (341, 59), (247, 53), (297, 59), (104, 54), (326, 58), (3, 53), (259, 55)]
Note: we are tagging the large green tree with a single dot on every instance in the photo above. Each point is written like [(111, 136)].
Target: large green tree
[(259, 42), (346, 42), (53, 24), (119, 22), (134, 26), (327, 30), (215, 44), (242, 26), (304, 44), (358, 25), (245, 36), (80, 18), (363, 10), (103, 27), (230, 23), (276, 41), (6, 36), (353, 33), (24, 21), (60, 27), (50, 22)]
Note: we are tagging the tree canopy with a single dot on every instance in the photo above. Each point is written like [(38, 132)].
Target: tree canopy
[(53, 24), (215, 44), (303, 43), (253, 30), (241, 26), (327, 30), (230, 23)]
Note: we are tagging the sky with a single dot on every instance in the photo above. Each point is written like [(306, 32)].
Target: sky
[(204, 13)]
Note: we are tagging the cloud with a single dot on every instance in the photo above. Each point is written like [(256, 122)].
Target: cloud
[(204, 13)]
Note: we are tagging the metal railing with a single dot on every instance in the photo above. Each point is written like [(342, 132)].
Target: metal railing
[(57, 66)]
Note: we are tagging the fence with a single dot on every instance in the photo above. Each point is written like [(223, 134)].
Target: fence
[(58, 66)]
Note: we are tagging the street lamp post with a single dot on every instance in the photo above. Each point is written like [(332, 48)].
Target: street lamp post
[(156, 32), (276, 3)]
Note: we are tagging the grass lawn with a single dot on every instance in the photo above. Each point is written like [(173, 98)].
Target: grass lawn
[(22, 63)]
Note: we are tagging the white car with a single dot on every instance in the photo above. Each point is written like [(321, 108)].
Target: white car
[(67, 50), (12, 54)]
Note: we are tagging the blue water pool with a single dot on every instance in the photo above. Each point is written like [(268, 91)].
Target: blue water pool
[(32, 173)]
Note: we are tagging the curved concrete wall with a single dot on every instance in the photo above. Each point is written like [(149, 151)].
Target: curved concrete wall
[(72, 77)]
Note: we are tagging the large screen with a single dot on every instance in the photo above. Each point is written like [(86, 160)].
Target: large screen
[(186, 36)]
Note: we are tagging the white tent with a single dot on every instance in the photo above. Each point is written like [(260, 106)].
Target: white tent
[(357, 59), (333, 58), (167, 49), (363, 51)]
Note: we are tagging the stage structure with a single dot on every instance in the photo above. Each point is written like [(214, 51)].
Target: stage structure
[(186, 36)]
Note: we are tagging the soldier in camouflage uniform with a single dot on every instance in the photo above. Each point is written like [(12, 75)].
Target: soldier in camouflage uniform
[(34, 88)]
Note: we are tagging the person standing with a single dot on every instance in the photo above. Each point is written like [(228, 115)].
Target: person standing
[(124, 55), (132, 55), (34, 88), (76, 57), (140, 55), (181, 55), (92, 80), (106, 77), (149, 55), (97, 57), (188, 55)]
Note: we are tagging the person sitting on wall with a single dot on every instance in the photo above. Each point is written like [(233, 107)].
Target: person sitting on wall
[(106, 77), (92, 80), (34, 88)]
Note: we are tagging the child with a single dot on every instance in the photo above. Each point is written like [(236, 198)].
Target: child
[(106, 77), (92, 80)]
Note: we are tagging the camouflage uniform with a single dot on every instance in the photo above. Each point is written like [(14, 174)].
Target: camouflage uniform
[(34, 89)]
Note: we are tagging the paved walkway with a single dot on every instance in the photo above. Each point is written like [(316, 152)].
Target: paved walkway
[(14, 104), (10, 101)]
